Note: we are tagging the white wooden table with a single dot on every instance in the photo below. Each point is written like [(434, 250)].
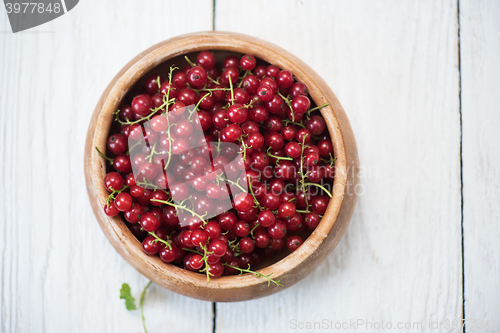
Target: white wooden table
[(420, 82)]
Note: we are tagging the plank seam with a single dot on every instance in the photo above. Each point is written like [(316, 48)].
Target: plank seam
[(461, 164)]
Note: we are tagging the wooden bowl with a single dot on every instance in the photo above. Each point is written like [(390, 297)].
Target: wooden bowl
[(288, 270)]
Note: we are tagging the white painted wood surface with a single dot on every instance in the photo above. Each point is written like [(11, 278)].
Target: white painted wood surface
[(480, 55), (58, 272), (394, 67)]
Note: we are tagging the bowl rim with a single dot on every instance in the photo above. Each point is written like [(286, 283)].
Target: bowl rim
[(119, 234)]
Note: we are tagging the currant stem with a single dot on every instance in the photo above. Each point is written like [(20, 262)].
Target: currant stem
[(287, 101), (302, 171), (192, 64), (158, 239), (317, 108), (141, 305), (181, 207), (253, 195), (286, 121), (111, 196), (241, 270), (277, 157), (232, 91), (253, 229), (321, 187), (109, 159)]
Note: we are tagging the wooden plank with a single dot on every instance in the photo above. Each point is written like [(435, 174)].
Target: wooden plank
[(394, 67), (480, 70), (58, 272)]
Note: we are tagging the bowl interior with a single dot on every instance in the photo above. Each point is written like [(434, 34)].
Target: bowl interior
[(162, 69)]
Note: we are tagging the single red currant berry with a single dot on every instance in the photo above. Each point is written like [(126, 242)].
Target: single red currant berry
[(255, 140), (248, 62), (169, 254), (117, 143), (237, 113), (260, 71), (312, 159), (277, 230), (304, 135), (300, 104), (213, 191), (262, 239), (246, 245), (319, 204), (271, 201), (123, 201), (157, 196), (159, 123), (122, 163), (196, 261), (275, 141), (250, 83), (212, 229), (277, 244), (134, 214), (271, 83), (218, 247), (241, 228), (259, 113), (275, 104), (227, 220), (197, 76), (243, 202), (150, 222), (277, 186), (316, 124), (230, 73), (180, 80), (298, 89), (113, 181), (265, 93), (185, 239), (272, 71), (289, 132), (293, 149), (231, 61), (273, 124), (172, 93), (127, 113), (179, 191), (231, 133), (315, 173), (179, 146), (285, 79), (325, 148), (216, 269), (294, 242), (151, 246), (286, 210), (111, 210), (199, 237), (206, 59), (312, 220), (136, 191), (142, 105), (151, 84)]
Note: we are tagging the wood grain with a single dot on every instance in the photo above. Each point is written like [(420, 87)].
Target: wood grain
[(58, 271), (394, 67), (480, 68)]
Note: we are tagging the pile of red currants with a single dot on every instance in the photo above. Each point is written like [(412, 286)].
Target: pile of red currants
[(217, 167)]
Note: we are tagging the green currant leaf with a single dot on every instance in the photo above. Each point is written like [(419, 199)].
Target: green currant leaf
[(129, 300)]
